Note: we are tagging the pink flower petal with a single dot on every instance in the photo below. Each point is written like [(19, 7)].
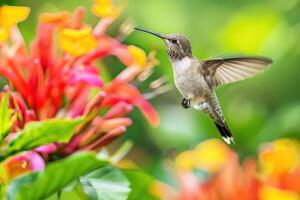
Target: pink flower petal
[(36, 161), (48, 148), (87, 75)]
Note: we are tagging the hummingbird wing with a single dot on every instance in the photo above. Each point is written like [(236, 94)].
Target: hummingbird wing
[(227, 70)]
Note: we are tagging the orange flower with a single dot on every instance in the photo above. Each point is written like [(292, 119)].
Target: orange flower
[(60, 19)]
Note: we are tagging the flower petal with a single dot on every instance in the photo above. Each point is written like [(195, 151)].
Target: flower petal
[(11, 15), (272, 193), (139, 56), (77, 42), (126, 92), (105, 8), (279, 157), (4, 34), (23, 163), (86, 74), (60, 19)]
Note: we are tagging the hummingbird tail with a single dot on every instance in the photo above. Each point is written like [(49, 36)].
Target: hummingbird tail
[(225, 132)]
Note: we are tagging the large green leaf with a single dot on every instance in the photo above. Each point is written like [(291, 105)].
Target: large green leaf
[(39, 133), (7, 118), (57, 175), (106, 183)]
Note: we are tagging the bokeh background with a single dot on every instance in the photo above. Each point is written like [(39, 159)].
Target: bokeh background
[(257, 110)]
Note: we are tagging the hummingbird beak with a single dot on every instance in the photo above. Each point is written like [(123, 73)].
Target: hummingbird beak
[(151, 32)]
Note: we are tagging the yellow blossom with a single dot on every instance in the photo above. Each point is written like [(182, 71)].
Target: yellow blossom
[(105, 8), (211, 155), (279, 157), (77, 42), (11, 15), (272, 193), (138, 55), (4, 33), (185, 160)]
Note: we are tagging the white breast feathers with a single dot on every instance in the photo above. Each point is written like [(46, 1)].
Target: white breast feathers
[(182, 65)]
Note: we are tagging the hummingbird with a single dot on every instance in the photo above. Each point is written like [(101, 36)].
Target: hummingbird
[(197, 79)]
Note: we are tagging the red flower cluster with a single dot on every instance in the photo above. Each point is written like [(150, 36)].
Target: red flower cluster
[(55, 77)]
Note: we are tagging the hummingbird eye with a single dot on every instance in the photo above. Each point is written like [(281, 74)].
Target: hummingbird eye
[(174, 40)]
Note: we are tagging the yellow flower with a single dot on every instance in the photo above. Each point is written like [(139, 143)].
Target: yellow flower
[(185, 160), (77, 42), (105, 8), (4, 33), (211, 155), (272, 193), (279, 157), (138, 55), (11, 15)]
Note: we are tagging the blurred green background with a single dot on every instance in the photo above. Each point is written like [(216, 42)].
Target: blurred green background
[(257, 110)]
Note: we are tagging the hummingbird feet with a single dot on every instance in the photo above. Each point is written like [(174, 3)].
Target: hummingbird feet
[(186, 103)]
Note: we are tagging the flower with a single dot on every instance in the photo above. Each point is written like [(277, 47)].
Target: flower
[(279, 157), (212, 171), (11, 15), (272, 193), (23, 163), (60, 19), (105, 8), (77, 42), (55, 78), (3, 34)]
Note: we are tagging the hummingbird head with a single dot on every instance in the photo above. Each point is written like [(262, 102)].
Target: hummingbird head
[(178, 45)]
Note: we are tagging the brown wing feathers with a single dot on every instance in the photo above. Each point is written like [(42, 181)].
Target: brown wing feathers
[(228, 70)]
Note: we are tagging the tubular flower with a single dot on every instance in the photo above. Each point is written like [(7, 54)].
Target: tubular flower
[(55, 78)]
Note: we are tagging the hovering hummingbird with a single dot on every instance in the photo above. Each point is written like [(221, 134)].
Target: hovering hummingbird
[(197, 79)]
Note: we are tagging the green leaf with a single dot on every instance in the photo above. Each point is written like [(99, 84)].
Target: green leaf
[(106, 183), (39, 133), (140, 183), (57, 175), (7, 118), (73, 191)]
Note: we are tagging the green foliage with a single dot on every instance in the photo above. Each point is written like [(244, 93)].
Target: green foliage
[(140, 183), (57, 175), (106, 183), (39, 133), (7, 118)]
